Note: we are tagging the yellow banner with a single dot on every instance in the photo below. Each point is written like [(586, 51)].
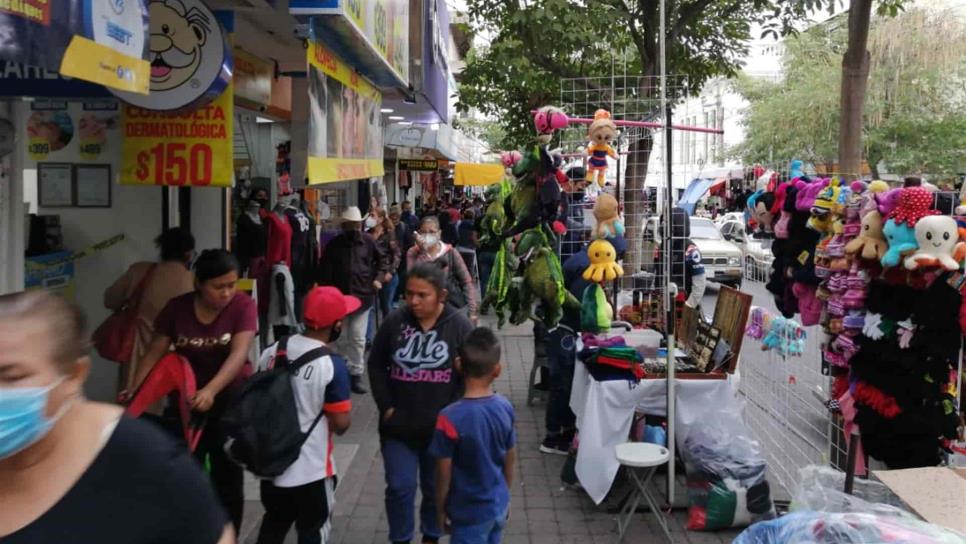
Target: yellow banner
[(332, 66), (345, 122), (466, 173), (193, 148), (335, 170), (88, 60)]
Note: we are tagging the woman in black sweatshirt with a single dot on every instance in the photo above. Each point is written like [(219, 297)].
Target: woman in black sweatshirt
[(412, 375)]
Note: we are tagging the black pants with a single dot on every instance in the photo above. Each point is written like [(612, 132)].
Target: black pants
[(561, 355), (226, 477), (307, 506)]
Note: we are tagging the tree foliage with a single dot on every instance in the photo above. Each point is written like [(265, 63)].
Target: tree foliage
[(915, 110), (534, 44)]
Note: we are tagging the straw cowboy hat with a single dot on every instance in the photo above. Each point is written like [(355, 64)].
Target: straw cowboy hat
[(352, 215)]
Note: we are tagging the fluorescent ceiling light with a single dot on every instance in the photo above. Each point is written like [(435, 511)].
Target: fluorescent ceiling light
[(263, 120), (396, 118), (406, 123), (434, 126), (387, 110)]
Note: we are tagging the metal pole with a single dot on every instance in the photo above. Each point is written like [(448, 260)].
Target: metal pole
[(668, 299)]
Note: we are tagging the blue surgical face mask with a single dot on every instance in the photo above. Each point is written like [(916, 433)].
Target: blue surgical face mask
[(23, 419)]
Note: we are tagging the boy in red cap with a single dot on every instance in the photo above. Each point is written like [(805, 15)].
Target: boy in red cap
[(304, 494)]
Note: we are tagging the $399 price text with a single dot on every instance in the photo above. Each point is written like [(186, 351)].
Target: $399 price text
[(175, 164)]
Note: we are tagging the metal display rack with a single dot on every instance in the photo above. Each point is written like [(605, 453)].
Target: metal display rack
[(641, 183)]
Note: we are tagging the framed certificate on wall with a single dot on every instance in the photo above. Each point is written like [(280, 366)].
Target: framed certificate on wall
[(92, 184), (55, 185)]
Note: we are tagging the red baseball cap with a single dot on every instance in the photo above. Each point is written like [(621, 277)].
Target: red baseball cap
[(324, 306)]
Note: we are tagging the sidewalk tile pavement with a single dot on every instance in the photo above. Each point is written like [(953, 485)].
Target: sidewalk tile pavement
[(541, 510)]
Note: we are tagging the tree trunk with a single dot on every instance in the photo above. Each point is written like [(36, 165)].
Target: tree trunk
[(635, 207), (855, 79)]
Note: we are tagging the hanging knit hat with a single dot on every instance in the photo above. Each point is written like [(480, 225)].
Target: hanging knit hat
[(914, 204)]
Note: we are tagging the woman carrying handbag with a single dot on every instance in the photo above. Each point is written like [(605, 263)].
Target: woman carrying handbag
[(138, 296)]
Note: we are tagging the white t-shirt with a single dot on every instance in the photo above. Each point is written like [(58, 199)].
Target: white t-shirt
[(322, 384)]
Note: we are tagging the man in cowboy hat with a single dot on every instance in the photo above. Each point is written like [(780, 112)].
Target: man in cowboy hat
[(353, 263)]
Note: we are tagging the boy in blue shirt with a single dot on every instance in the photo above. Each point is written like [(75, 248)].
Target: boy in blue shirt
[(474, 446)]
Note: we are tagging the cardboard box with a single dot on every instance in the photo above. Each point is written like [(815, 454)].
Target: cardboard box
[(936, 494)]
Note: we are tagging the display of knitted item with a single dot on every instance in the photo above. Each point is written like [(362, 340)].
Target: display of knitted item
[(616, 363)]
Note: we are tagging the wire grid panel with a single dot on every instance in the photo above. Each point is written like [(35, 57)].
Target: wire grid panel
[(635, 178), (785, 406)]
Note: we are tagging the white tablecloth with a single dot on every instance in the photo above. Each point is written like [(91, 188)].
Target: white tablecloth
[(605, 411)]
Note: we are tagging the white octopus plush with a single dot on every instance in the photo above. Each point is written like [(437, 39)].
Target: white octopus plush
[(938, 236)]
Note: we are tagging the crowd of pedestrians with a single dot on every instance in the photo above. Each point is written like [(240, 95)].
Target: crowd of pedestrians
[(442, 428)]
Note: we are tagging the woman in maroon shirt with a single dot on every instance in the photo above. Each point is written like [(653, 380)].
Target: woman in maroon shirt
[(212, 328)]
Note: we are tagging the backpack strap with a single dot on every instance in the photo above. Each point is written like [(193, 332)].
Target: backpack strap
[(307, 357), (281, 353)]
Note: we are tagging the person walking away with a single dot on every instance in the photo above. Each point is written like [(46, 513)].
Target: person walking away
[(385, 235), (66, 461), (305, 493), (212, 328), (158, 283), (412, 377), (448, 217), (354, 264), (475, 449), (560, 421), (466, 231), (459, 282), (405, 237)]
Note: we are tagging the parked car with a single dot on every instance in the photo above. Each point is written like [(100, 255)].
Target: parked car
[(729, 217), (756, 252), (721, 258)]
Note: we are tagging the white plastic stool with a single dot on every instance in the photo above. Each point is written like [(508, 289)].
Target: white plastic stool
[(642, 461)]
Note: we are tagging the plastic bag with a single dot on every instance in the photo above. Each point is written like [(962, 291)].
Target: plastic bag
[(846, 528), (821, 489), (725, 471)]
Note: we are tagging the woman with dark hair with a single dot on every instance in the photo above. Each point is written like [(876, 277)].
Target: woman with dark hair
[(155, 284), (66, 462), (412, 377), (430, 248), (212, 328)]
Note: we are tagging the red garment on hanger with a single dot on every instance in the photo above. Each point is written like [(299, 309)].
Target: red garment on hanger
[(279, 239)]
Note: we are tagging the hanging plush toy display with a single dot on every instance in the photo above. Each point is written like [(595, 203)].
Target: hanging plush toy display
[(601, 133), (607, 214), (938, 237), (530, 271), (603, 262)]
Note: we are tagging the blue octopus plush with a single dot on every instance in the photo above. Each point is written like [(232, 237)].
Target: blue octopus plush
[(901, 238)]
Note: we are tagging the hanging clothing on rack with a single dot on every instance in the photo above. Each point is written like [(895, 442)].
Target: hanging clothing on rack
[(251, 237), (281, 311), (304, 249), (279, 238)]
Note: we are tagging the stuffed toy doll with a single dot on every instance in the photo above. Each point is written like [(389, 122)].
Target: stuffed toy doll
[(602, 132), (603, 262), (795, 170), (548, 120), (509, 160), (606, 212), (937, 237), (764, 211), (887, 201), (901, 239), (871, 242)]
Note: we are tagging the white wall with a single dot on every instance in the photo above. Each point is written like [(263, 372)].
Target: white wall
[(135, 212)]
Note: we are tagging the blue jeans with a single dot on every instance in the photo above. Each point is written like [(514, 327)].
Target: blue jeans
[(387, 295), (490, 532), (403, 465), (486, 260), (561, 358)]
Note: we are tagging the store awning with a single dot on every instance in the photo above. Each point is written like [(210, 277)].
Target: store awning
[(467, 173), (693, 194)]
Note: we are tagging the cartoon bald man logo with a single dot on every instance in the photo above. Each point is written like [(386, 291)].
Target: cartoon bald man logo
[(177, 39)]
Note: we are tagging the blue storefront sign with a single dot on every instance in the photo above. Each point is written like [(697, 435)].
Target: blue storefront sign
[(18, 79)]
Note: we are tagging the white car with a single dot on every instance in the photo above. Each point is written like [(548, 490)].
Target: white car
[(756, 253), (721, 258), (729, 217)]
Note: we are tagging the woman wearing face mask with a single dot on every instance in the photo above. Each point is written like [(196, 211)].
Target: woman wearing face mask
[(412, 378), (155, 284), (66, 462), (459, 282), (212, 328)]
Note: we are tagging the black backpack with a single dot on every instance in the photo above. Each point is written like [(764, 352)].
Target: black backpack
[(262, 427)]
